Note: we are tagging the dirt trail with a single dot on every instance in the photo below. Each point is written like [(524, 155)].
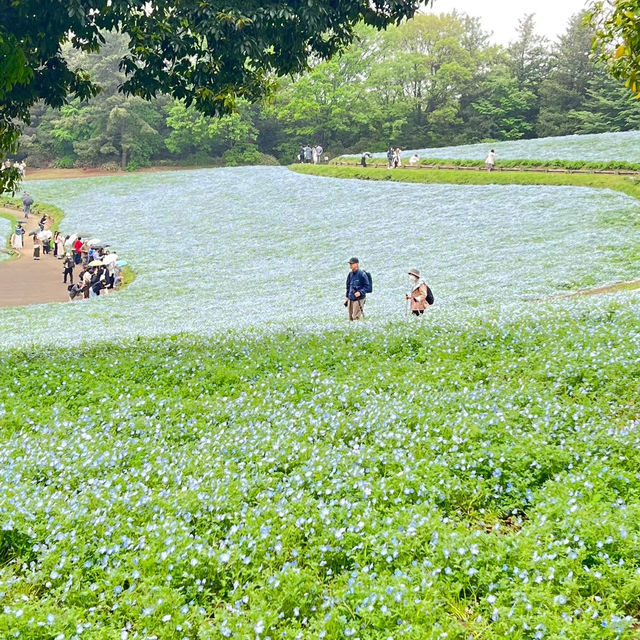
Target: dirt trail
[(24, 280), (627, 285)]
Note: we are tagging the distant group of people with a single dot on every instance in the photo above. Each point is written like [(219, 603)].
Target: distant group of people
[(359, 284), (310, 155), (394, 159), (20, 166), (98, 268)]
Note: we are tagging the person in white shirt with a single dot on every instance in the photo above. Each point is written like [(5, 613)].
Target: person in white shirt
[(397, 162), (490, 160), (415, 158)]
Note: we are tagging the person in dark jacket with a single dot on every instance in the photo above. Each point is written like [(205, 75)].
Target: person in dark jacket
[(68, 265), (357, 282)]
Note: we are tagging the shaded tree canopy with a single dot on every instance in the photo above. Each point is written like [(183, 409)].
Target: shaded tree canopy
[(208, 53)]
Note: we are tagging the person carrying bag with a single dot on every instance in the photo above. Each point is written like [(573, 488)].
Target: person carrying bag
[(358, 285), (420, 295)]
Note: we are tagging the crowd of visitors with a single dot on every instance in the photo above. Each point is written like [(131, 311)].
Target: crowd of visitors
[(99, 269), (93, 265), (310, 154)]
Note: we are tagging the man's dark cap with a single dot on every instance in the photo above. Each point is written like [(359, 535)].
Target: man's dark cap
[(354, 261)]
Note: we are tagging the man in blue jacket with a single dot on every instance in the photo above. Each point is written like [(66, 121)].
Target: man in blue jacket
[(357, 283)]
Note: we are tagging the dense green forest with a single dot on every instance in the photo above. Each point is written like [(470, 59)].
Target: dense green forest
[(434, 80)]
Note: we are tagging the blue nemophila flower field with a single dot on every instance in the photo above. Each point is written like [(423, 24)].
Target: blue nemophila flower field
[(473, 474), (198, 240), (474, 477)]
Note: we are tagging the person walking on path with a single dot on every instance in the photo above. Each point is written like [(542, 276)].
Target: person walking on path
[(68, 265), (27, 201), (390, 158), (17, 239), (357, 284), (36, 248), (418, 294), (490, 160)]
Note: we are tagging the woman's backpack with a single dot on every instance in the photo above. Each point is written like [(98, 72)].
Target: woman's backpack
[(429, 295)]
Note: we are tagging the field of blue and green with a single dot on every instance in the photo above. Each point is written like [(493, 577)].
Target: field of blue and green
[(214, 452)]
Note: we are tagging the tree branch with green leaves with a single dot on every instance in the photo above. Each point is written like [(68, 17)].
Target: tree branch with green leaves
[(209, 53), (617, 38)]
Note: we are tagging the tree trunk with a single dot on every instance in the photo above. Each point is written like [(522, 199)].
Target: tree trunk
[(123, 159)]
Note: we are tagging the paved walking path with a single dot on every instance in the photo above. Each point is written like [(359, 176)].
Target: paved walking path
[(24, 280)]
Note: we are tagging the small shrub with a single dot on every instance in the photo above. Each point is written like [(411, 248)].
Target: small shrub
[(66, 162), (110, 166)]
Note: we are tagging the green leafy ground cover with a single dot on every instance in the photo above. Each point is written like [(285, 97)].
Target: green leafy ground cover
[(474, 477)]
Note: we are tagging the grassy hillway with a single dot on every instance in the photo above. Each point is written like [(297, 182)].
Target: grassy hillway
[(546, 166)]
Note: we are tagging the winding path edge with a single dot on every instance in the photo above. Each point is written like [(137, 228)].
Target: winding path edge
[(25, 281)]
